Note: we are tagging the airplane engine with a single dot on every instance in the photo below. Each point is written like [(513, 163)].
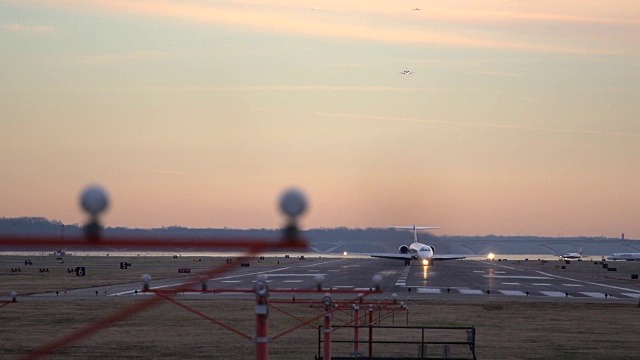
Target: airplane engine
[(403, 249), (433, 249)]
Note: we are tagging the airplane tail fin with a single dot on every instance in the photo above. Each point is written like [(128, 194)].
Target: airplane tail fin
[(414, 228)]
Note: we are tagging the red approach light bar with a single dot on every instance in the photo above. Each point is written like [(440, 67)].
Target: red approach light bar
[(257, 245)]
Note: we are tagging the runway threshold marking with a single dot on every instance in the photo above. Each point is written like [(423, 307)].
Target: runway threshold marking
[(513, 292), (554, 293), (595, 295), (322, 263), (590, 283), (215, 279), (471, 292), (429, 291), (637, 296), (517, 277), (283, 275)]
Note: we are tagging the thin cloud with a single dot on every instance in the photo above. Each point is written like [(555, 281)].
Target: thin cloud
[(496, 73), (21, 28), (477, 124), (110, 58), (291, 18), (306, 88)]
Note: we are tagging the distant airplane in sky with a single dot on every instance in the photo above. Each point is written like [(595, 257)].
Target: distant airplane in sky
[(407, 72), (624, 256), (572, 255), (416, 251), (416, 9)]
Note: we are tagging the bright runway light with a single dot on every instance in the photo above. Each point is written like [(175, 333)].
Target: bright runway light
[(425, 262), (345, 253), (491, 256)]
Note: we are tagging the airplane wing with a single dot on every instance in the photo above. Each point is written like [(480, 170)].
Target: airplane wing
[(391, 256), (448, 257)]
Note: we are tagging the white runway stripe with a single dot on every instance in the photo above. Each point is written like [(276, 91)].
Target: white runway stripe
[(554, 293), (429, 291), (470, 292), (636, 296), (512, 292), (594, 294)]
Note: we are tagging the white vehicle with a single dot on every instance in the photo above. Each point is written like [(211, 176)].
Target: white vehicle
[(572, 255), (407, 72), (416, 251), (624, 256)]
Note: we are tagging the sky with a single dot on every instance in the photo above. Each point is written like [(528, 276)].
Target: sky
[(519, 117)]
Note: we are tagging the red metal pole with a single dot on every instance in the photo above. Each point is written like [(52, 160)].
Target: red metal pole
[(370, 330), (356, 330), (327, 334), (262, 326)]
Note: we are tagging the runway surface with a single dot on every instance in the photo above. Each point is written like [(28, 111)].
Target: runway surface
[(456, 280)]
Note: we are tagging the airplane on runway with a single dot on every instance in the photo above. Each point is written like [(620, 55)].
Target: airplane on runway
[(572, 255), (624, 256), (416, 251)]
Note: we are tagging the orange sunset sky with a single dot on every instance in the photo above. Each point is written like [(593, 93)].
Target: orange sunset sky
[(520, 117)]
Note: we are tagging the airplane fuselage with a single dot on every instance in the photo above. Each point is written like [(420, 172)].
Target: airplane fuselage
[(624, 256), (420, 251)]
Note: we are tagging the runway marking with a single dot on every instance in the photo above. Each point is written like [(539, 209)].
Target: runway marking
[(499, 272), (478, 271), (504, 266), (292, 281), (510, 283), (573, 285), (636, 296), (322, 263), (590, 283), (429, 291), (313, 270), (215, 279), (517, 277), (334, 270), (343, 286), (363, 289), (470, 292), (512, 292), (401, 284), (541, 284), (283, 275), (595, 295), (231, 281), (554, 293)]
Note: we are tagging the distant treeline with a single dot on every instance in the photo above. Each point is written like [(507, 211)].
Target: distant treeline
[(43, 226)]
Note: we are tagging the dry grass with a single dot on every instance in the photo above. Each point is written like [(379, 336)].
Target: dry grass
[(504, 330)]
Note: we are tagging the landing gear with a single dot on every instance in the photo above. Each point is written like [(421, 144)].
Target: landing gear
[(407, 263)]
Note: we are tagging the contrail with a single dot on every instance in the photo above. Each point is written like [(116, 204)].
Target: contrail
[(477, 124)]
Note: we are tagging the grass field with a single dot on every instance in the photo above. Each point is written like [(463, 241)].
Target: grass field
[(504, 329)]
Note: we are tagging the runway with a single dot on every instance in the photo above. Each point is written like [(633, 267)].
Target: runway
[(455, 280)]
